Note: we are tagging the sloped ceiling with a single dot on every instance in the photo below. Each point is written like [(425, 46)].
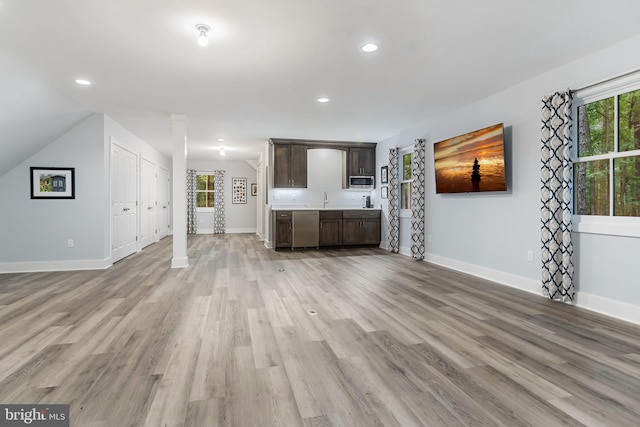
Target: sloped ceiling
[(268, 61), (33, 113)]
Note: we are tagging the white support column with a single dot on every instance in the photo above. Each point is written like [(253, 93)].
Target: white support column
[(180, 258)]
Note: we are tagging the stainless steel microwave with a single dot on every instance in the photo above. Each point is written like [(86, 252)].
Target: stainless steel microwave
[(362, 182)]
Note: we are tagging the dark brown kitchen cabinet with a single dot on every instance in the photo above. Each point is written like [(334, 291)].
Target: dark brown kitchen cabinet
[(289, 166), (330, 228), (361, 161), (361, 227), (283, 229)]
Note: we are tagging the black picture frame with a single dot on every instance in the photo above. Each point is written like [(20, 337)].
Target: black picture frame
[(384, 175), (384, 192), (52, 182), (238, 191)]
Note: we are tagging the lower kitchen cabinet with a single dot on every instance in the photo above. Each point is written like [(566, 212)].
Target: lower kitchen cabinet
[(330, 228), (361, 227), (336, 228), (283, 232)]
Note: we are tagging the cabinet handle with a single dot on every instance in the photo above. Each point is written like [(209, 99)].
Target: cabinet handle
[(320, 225), (289, 226)]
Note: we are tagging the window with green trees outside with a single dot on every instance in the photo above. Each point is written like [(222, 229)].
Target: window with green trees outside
[(204, 191), (607, 167)]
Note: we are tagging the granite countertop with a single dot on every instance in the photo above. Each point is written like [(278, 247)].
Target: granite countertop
[(328, 208)]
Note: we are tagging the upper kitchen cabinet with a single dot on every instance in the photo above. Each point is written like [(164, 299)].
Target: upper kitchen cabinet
[(361, 161), (289, 166)]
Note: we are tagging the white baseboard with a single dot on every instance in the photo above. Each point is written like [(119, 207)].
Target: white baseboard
[(609, 307), (268, 244), (181, 262), (205, 231), (508, 279), (227, 231), (37, 266), (403, 250), (240, 230)]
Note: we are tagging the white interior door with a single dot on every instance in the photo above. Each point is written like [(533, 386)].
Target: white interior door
[(123, 203), (162, 214), (148, 203)]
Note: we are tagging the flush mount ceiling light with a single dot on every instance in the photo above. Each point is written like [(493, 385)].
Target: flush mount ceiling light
[(221, 139), (323, 100), (83, 82), (369, 47), (202, 37)]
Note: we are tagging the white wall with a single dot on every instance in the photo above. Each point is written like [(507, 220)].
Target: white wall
[(240, 218), (489, 234), (36, 231)]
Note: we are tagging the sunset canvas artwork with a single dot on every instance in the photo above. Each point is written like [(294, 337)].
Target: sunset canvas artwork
[(472, 162)]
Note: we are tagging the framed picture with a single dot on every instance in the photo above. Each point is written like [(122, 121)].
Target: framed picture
[(53, 183), (238, 190), (384, 192), (384, 174), (254, 189)]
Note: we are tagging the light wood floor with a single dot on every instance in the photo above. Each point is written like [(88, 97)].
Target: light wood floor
[(234, 341)]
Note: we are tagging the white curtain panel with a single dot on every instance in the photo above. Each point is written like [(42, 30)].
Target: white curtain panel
[(192, 222), (219, 223), (417, 201), (557, 176), (394, 223)]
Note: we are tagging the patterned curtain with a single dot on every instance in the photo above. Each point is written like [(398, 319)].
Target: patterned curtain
[(394, 223), (192, 223), (557, 249), (417, 201), (219, 223)]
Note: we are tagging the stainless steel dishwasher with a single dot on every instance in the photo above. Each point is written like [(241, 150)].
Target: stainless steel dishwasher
[(306, 229)]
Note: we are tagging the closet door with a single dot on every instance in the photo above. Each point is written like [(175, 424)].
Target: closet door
[(124, 214), (148, 203), (164, 185)]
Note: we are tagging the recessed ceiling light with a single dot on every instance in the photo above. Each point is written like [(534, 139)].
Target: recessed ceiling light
[(83, 82), (221, 139), (369, 47), (323, 100)]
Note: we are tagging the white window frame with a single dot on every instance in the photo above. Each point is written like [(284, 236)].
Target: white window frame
[(599, 224), (198, 173), (404, 213)]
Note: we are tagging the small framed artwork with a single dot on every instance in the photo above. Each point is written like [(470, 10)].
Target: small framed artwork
[(384, 192), (254, 189), (384, 174), (53, 183), (238, 190)]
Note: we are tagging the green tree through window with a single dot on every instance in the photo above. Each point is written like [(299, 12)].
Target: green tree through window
[(205, 191), (607, 170)]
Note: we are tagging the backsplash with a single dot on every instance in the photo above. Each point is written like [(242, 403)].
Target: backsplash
[(324, 174)]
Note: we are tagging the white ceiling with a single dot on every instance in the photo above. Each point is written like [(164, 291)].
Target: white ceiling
[(268, 61)]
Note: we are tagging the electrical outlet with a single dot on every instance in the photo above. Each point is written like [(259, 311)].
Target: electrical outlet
[(276, 197), (530, 256), (428, 237), (70, 243)]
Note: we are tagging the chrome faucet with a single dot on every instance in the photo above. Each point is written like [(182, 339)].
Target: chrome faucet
[(325, 201)]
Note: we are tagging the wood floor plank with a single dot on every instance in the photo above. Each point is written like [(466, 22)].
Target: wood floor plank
[(247, 336)]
